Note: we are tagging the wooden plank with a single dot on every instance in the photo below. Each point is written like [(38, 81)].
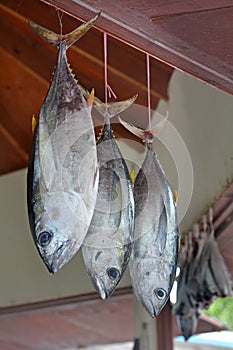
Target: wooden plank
[(127, 75), (61, 303), (11, 158), (208, 42), (27, 63), (164, 10), (78, 324), (16, 85), (164, 329), (9, 346), (173, 41), (13, 143), (18, 102)]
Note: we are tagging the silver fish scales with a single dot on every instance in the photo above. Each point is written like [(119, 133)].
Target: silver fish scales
[(62, 177), (108, 243), (154, 256)]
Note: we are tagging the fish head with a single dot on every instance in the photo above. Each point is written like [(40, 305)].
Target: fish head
[(152, 282), (106, 266), (57, 231), (188, 324), (54, 248)]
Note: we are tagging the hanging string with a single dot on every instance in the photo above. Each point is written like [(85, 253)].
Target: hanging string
[(60, 15), (107, 88), (148, 89), (18, 6), (105, 69)]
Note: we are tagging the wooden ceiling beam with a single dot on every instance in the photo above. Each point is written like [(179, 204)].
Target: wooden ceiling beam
[(189, 42), (4, 132), (11, 158), (126, 66), (27, 63)]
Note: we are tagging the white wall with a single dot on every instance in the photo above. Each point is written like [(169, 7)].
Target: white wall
[(203, 116)]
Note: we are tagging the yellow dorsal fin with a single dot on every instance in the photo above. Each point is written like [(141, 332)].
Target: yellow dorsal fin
[(34, 122)]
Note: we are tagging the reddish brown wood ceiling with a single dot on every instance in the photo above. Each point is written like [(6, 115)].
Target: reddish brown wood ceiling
[(194, 36), (27, 63)]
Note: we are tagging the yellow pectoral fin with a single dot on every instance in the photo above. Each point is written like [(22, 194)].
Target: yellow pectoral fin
[(34, 122)]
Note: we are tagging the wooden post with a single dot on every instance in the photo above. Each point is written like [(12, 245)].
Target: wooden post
[(164, 329)]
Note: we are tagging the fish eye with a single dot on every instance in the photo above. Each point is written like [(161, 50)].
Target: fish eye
[(113, 273), (44, 238), (160, 293)]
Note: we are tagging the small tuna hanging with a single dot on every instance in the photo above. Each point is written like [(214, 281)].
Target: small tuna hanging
[(108, 243), (153, 261)]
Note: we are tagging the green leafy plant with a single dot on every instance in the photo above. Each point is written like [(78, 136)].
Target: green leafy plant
[(222, 310)]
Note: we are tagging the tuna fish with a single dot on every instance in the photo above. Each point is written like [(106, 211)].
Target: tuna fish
[(62, 171), (108, 243), (154, 256)]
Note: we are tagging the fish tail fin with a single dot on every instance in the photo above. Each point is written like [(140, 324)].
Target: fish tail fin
[(158, 127), (139, 132), (145, 135), (113, 108), (68, 39)]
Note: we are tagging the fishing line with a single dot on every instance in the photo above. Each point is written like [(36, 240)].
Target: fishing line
[(60, 15), (18, 6), (105, 69), (107, 88), (148, 89)]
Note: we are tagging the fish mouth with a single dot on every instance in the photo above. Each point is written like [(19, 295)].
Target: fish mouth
[(149, 306), (61, 256), (154, 312), (100, 288)]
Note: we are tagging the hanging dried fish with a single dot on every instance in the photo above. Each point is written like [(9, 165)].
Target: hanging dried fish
[(154, 256), (108, 243), (62, 175), (203, 277)]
